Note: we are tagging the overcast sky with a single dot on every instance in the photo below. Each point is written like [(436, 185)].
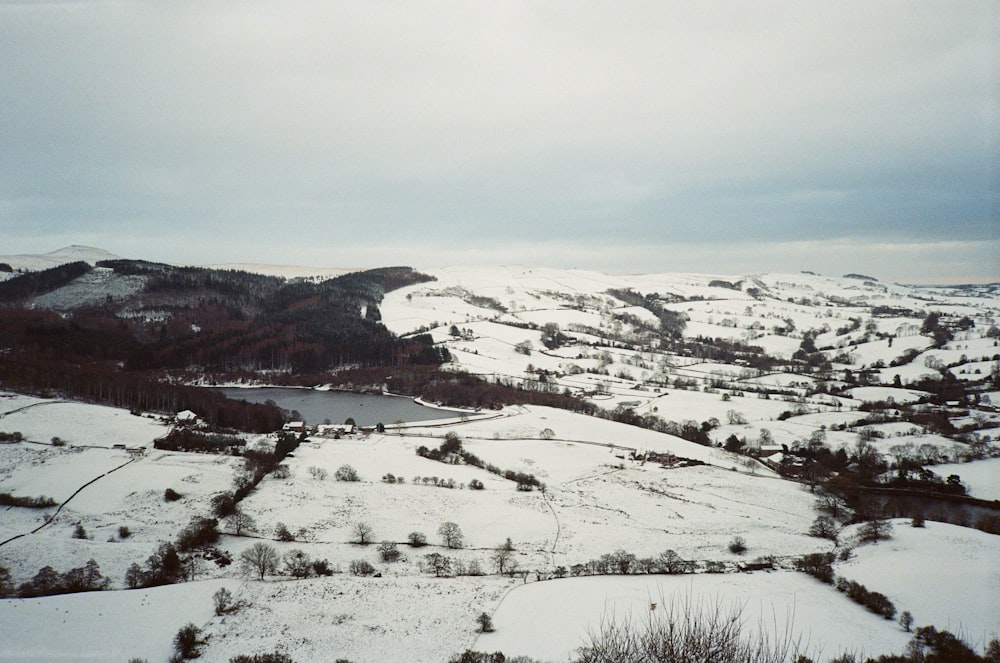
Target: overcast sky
[(717, 137)]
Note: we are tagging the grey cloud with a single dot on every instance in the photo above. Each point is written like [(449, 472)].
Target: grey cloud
[(474, 123)]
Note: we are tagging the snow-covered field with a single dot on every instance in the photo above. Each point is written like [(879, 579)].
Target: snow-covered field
[(943, 574), (597, 497), (551, 620), (981, 477)]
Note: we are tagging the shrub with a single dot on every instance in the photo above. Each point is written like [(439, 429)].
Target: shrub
[(124, 532), (42, 502), (297, 564), (918, 520), (476, 484), (712, 566), (470, 656), (738, 545), (79, 532), (199, 533), (275, 657), (282, 533), (874, 601), (685, 632), (321, 567), (223, 601), (485, 623), (6, 582), (875, 530), (346, 473), (361, 567), (171, 495), (824, 527), (318, 473), (224, 504), (417, 539), (818, 565), (388, 551), (187, 641)]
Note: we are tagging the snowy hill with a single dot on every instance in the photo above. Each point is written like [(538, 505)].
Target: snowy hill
[(38, 262), (711, 410)]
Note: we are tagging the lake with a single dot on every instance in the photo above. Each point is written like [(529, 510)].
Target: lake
[(316, 407)]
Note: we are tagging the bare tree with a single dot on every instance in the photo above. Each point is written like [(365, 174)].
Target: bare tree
[(363, 533), (239, 521), (832, 505), (297, 564), (451, 533), (671, 562), (437, 564), (259, 559), (223, 600), (503, 557)]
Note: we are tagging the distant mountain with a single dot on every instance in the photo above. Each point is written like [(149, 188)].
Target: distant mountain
[(75, 253)]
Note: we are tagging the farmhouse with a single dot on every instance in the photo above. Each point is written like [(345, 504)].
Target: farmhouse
[(335, 430), (186, 417)]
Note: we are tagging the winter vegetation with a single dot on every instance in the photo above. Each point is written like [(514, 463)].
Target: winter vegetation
[(770, 468)]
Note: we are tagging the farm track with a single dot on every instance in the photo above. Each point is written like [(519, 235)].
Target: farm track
[(27, 407)]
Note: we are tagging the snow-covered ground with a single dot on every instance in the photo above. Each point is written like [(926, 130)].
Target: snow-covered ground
[(103, 626), (597, 498), (551, 620), (981, 477), (78, 424), (945, 575)]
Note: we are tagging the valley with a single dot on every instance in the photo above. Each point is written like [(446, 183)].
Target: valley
[(783, 412)]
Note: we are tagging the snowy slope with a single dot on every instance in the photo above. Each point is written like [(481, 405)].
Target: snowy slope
[(75, 253)]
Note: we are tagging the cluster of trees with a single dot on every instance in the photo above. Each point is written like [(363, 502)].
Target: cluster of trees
[(49, 582), (442, 566), (256, 465), (218, 320), (451, 451), (451, 388), (621, 562), (36, 374), (262, 559), (874, 601), (820, 566), (40, 502), (689, 429), (32, 284), (672, 323), (188, 439)]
